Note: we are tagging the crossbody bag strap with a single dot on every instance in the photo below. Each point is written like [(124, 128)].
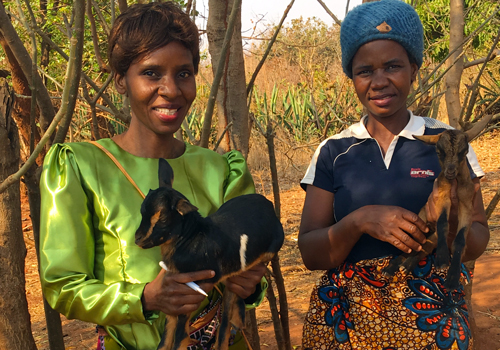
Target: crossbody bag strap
[(112, 157)]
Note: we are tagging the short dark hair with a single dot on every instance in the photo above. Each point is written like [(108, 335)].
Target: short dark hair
[(144, 28)]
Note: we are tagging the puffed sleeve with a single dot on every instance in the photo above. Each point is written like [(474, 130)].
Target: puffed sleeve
[(67, 249), (239, 181)]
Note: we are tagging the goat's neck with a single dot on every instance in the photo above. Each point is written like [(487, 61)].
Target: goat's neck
[(192, 224), (463, 173)]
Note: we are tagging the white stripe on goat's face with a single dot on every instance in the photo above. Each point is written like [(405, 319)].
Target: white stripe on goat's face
[(243, 250)]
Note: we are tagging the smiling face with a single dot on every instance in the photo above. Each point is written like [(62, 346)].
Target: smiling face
[(161, 87), (382, 77)]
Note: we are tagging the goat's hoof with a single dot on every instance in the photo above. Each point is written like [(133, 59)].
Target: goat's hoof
[(389, 271), (441, 263), (451, 286)]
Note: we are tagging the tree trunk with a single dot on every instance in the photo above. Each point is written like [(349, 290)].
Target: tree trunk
[(23, 58), (15, 327), (252, 329), (454, 75), (22, 105), (231, 99)]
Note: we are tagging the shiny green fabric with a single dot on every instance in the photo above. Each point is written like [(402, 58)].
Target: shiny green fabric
[(90, 267)]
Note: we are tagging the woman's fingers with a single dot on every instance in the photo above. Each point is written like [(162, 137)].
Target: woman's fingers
[(244, 284), (400, 227), (404, 242), (193, 276), (415, 226)]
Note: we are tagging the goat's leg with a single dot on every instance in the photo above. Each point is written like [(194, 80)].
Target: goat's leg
[(238, 313), (442, 207), (442, 228), (182, 339), (464, 222), (167, 340), (228, 301), (409, 261), (430, 244)]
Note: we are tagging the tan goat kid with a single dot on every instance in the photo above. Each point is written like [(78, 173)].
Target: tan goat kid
[(452, 147)]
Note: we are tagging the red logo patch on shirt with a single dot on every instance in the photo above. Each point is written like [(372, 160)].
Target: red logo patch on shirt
[(417, 172)]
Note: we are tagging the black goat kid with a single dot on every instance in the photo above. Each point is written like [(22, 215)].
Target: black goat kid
[(452, 148), (242, 233)]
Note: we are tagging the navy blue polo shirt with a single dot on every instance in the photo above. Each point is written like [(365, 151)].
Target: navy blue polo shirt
[(351, 166)]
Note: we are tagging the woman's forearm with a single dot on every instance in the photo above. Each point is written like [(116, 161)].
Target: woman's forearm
[(326, 248)]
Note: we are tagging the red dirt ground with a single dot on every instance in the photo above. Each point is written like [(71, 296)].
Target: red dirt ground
[(299, 281)]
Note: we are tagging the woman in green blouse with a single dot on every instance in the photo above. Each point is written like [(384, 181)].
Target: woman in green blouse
[(90, 267)]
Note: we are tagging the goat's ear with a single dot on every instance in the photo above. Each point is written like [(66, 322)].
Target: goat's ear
[(428, 139), (165, 174), (184, 207)]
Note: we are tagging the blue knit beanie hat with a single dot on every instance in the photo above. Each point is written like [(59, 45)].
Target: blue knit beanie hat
[(379, 20)]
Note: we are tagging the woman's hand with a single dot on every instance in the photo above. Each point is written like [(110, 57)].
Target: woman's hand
[(245, 283), (170, 295), (395, 225)]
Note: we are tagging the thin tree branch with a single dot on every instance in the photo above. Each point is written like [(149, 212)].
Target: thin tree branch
[(73, 76), (222, 136), (330, 12), (482, 60), (475, 86), (466, 40), (90, 101), (268, 49), (188, 6), (122, 5), (95, 39), (118, 114), (207, 124), (100, 16)]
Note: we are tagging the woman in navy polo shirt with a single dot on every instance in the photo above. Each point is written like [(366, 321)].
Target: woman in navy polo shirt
[(365, 187)]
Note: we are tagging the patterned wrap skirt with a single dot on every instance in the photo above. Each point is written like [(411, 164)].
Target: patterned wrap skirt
[(355, 307)]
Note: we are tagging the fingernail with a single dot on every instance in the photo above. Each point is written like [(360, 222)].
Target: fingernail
[(409, 251), (419, 248), (212, 273)]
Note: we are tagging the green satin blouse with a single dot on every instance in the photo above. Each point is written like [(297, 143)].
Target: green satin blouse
[(90, 267)]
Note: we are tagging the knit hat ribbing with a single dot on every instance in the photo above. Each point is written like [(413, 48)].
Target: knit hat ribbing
[(379, 20)]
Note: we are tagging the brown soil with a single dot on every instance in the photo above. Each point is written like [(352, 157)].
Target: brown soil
[(299, 281)]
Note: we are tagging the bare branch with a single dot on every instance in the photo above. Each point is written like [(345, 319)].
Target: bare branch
[(73, 74), (268, 49), (482, 60), (330, 12), (122, 5), (100, 16), (188, 6), (118, 114), (222, 136), (95, 39), (475, 87)]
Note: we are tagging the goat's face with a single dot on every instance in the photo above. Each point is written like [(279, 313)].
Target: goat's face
[(451, 147), (162, 211)]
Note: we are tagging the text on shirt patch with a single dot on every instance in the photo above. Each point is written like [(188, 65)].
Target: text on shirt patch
[(417, 172)]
